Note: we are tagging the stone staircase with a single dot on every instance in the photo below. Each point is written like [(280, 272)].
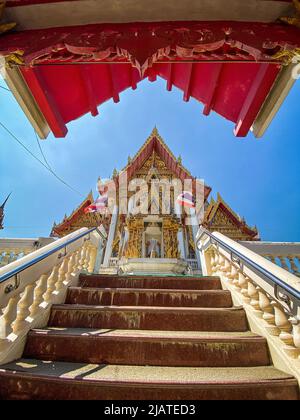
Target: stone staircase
[(146, 338)]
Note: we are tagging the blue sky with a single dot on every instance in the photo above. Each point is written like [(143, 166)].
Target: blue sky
[(259, 179)]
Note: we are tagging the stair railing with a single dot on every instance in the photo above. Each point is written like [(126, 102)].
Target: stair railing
[(269, 294), (32, 284)]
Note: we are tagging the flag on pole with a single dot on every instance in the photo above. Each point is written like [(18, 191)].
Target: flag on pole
[(98, 206), (186, 199)]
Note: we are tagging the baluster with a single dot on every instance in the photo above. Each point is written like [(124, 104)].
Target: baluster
[(233, 274), (265, 304), (272, 259), (296, 335), (38, 301), (221, 262), (227, 267), (294, 267), (5, 258), (253, 295), (244, 280), (8, 317), (11, 256), (62, 273), (213, 262), (93, 256), (16, 254), (285, 327), (51, 284), (82, 256), (72, 268), (75, 268), (217, 265), (283, 263), (241, 282), (87, 256), (236, 281), (23, 309)]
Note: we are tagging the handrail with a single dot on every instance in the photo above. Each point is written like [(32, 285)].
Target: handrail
[(41, 257), (271, 278)]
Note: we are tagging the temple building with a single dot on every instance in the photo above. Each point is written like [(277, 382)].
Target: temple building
[(155, 238)]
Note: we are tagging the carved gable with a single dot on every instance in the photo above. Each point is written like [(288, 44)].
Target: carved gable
[(222, 223), (154, 164)]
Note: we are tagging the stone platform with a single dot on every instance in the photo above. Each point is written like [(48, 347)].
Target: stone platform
[(153, 266)]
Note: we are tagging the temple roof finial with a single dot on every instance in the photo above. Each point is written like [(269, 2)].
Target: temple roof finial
[(154, 131), (2, 211), (5, 201)]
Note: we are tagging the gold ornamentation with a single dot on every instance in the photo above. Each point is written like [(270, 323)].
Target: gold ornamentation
[(115, 244), (135, 228), (170, 230), (287, 56)]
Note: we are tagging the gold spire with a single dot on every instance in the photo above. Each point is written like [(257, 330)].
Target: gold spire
[(154, 132)]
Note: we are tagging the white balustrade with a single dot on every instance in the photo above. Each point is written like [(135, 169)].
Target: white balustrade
[(26, 298), (193, 263), (273, 316), (12, 249), (113, 262), (283, 254)]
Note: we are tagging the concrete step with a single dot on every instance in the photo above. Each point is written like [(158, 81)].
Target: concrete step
[(150, 282), (148, 318), (35, 379), (155, 348), (149, 297)]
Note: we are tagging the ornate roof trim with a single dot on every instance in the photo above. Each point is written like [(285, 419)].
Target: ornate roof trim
[(155, 135), (238, 221), (57, 228)]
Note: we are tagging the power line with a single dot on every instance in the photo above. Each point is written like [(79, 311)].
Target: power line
[(2, 87), (41, 150), (36, 158)]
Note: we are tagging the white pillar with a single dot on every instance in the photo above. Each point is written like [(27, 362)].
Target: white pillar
[(99, 257), (111, 235), (186, 244), (195, 227), (181, 244)]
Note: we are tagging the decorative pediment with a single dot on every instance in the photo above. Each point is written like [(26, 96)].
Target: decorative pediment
[(220, 217), (78, 219)]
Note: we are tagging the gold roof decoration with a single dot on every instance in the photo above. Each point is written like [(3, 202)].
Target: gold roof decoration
[(239, 221), (155, 134), (89, 199)]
